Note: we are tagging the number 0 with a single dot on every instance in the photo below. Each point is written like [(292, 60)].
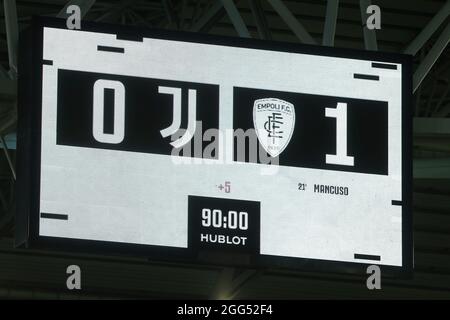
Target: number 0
[(99, 111)]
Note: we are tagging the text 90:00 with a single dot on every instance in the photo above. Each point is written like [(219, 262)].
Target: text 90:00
[(232, 220)]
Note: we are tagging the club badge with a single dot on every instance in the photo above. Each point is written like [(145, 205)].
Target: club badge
[(274, 121)]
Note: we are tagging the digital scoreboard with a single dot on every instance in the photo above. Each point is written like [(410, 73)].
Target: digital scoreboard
[(189, 147)]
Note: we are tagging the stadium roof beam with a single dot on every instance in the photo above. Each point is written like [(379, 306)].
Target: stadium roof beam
[(284, 12), (329, 30), (209, 18), (433, 135), (260, 20), (443, 112), (370, 37), (229, 282), (222, 288), (8, 87), (12, 35), (5, 149), (432, 126), (172, 17), (85, 6), (236, 18), (7, 219), (3, 72), (429, 30), (242, 279), (115, 11), (431, 168), (429, 60)]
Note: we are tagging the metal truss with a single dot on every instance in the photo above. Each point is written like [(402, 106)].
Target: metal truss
[(231, 280), (203, 15)]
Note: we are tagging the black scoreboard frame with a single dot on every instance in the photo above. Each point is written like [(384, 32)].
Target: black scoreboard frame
[(29, 153)]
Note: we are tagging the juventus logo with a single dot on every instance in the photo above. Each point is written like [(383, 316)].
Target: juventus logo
[(176, 122)]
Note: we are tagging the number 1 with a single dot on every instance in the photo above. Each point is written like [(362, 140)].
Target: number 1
[(341, 157)]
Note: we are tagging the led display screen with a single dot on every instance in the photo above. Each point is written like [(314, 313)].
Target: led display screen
[(187, 146)]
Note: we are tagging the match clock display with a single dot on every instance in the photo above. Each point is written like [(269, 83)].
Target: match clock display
[(224, 224)]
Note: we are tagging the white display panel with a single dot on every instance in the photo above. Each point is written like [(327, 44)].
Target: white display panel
[(141, 197)]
